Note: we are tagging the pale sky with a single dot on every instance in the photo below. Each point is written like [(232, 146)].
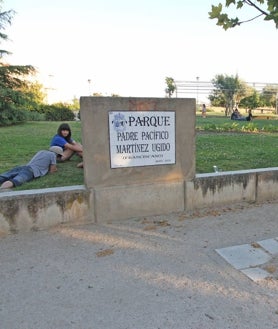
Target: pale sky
[(128, 47)]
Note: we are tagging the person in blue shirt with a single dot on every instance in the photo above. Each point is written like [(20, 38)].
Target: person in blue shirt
[(64, 140), (42, 162)]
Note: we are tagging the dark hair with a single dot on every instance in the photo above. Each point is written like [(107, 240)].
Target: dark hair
[(64, 126)]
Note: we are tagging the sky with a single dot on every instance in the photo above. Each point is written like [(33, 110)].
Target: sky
[(128, 47)]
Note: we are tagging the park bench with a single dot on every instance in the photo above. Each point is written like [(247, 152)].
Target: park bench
[(262, 117)]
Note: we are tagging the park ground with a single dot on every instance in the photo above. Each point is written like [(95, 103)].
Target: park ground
[(144, 273)]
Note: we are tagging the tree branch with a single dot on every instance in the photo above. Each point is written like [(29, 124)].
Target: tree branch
[(249, 20), (251, 3)]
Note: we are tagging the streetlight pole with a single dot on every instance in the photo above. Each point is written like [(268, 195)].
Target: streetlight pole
[(49, 89), (197, 98), (89, 82)]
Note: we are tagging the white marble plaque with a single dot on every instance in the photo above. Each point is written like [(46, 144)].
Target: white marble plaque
[(144, 138)]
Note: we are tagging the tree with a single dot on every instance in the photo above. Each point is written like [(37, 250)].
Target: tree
[(32, 95), (269, 96), (5, 18), (217, 98), (229, 89), (13, 96), (251, 101), (263, 8), (171, 87), (13, 82), (75, 106)]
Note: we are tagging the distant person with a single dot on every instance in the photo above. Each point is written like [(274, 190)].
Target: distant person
[(204, 111), (41, 163), (250, 115), (64, 140), (237, 116)]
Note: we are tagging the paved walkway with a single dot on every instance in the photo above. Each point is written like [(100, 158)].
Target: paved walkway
[(178, 271), (253, 259)]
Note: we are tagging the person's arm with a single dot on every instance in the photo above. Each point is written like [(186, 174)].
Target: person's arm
[(74, 147), (52, 168)]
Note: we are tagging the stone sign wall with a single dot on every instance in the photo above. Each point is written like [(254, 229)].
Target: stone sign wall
[(138, 152)]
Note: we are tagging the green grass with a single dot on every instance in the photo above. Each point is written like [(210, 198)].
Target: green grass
[(235, 145), (19, 144), (219, 141), (235, 151)]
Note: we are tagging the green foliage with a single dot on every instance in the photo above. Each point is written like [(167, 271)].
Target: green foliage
[(12, 116), (57, 112), (34, 95), (227, 22), (228, 90), (5, 19), (253, 101), (12, 83), (17, 93), (223, 124), (35, 116), (217, 98), (268, 95), (171, 87), (74, 106)]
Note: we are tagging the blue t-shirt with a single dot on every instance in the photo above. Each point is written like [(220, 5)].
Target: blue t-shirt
[(58, 140)]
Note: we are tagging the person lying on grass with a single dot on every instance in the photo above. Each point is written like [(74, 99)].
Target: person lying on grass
[(42, 162), (64, 140), (237, 116)]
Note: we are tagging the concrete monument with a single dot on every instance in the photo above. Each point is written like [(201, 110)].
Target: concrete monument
[(138, 153)]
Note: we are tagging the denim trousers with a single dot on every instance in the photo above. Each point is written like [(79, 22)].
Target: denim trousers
[(18, 175)]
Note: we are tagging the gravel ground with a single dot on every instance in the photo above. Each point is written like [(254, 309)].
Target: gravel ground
[(150, 273)]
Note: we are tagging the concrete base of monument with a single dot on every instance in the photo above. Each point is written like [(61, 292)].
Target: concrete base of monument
[(120, 202)]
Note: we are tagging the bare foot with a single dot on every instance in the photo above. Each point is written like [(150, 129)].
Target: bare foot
[(7, 184)]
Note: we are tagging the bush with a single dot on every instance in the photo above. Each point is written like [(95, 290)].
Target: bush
[(10, 116), (35, 116), (57, 113), (44, 112)]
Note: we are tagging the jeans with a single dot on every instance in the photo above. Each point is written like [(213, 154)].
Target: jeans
[(17, 175)]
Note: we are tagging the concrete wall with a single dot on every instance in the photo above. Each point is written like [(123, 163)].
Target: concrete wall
[(38, 209), (32, 210), (212, 190)]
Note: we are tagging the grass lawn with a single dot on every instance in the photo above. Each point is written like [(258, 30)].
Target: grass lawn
[(19, 144), (231, 146), (235, 151), (217, 143)]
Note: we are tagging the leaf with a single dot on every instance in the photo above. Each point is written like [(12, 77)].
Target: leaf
[(272, 5), (215, 11), (239, 4), (227, 22), (228, 2)]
